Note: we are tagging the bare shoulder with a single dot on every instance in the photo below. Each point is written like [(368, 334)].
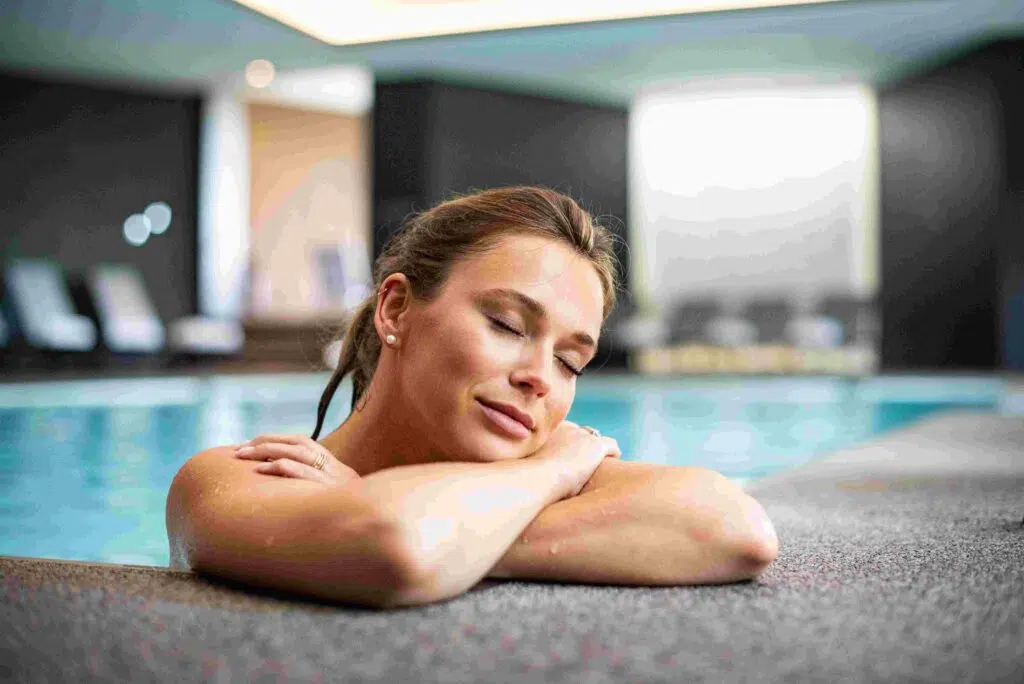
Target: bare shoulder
[(218, 473), (208, 473), (204, 475), (206, 467), (217, 501)]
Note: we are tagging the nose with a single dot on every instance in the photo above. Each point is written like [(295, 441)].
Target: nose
[(533, 372)]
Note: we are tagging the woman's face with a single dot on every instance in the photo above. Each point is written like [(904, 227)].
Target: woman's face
[(487, 369)]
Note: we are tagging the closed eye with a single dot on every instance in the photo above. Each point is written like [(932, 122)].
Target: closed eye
[(572, 369), (505, 327), (508, 329)]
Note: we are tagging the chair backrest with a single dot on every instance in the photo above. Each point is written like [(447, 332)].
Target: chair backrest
[(127, 317), (770, 315), (118, 291), (688, 319), (38, 290), (43, 308)]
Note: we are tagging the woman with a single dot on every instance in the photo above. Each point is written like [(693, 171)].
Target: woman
[(456, 462)]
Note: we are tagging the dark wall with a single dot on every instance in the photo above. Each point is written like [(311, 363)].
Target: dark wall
[(76, 160), (948, 168), (432, 140)]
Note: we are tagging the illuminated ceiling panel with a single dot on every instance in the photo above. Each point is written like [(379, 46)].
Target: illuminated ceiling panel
[(371, 21)]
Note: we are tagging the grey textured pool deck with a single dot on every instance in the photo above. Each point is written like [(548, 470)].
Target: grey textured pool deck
[(901, 561)]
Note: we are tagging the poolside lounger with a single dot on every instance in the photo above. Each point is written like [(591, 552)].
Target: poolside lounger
[(689, 320), (43, 308), (770, 315), (204, 335), (639, 332), (128, 321), (730, 331), (814, 332)]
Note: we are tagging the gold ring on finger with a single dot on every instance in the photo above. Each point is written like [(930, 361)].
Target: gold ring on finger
[(321, 458)]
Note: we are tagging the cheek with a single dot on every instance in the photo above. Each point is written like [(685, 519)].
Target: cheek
[(454, 353), (559, 405)]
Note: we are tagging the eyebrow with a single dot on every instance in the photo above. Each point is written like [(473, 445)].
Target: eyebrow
[(537, 310)]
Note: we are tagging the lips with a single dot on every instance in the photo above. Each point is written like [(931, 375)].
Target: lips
[(511, 411)]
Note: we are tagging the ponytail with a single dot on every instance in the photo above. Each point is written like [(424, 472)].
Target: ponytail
[(359, 353)]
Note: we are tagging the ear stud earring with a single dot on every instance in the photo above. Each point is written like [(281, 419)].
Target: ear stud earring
[(390, 339)]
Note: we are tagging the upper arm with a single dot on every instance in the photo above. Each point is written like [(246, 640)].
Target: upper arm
[(329, 540)]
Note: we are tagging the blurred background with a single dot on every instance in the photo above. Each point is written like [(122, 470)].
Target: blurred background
[(826, 187), (819, 207)]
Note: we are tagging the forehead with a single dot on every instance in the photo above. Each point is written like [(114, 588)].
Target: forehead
[(564, 282)]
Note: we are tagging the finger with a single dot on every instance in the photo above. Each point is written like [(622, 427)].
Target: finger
[(273, 451), (282, 439), (288, 468)]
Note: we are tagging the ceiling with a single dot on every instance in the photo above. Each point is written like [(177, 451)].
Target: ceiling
[(186, 44)]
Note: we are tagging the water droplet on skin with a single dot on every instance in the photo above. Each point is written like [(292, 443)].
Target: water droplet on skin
[(554, 549)]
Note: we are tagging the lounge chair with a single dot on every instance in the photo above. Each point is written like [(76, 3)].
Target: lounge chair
[(730, 331), (630, 329), (130, 323), (770, 316), (689, 320), (814, 332), (44, 312)]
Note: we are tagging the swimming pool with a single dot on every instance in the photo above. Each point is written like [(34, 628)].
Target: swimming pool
[(85, 465)]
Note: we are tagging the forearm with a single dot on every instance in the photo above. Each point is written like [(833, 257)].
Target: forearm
[(650, 527), (458, 519)]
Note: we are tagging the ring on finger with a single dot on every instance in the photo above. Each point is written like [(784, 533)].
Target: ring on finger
[(321, 459), (594, 431)]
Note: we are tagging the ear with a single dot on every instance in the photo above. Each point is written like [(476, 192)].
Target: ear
[(394, 298)]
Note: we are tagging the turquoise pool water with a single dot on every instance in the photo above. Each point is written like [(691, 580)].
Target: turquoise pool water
[(85, 466)]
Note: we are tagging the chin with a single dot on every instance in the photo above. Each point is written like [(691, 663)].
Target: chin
[(488, 448)]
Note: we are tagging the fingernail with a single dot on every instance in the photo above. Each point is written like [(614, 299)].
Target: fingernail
[(245, 451)]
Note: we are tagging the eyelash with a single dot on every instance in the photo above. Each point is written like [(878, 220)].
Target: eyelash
[(505, 327)]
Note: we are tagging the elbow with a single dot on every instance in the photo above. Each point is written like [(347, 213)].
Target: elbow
[(754, 542), (411, 577), (401, 577), (735, 525), (412, 583), (757, 552)]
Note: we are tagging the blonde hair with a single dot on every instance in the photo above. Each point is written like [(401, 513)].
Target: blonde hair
[(431, 242)]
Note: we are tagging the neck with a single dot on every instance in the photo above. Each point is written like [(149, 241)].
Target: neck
[(374, 436)]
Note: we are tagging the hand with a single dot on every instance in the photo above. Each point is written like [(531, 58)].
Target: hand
[(577, 453), (295, 456)]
